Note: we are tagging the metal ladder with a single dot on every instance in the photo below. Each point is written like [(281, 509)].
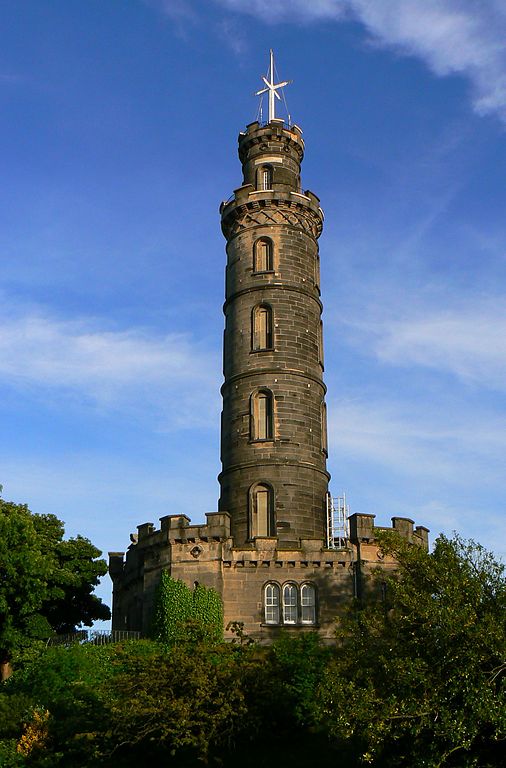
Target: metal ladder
[(337, 521)]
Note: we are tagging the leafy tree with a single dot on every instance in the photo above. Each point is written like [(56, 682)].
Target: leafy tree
[(123, 705), (46, 583), (75, 574), (420, 680)]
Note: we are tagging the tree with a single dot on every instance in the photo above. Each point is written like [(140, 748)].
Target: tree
[(419, 679), (46, 583), (76, 572)]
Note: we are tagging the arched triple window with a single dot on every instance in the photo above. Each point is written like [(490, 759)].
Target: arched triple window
[(262, 415), (263, 255), (261, 327), (264, 177), (261, 510), (290, 604)]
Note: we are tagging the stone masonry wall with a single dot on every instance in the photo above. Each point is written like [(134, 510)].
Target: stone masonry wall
[(293, 460), (206, 554)]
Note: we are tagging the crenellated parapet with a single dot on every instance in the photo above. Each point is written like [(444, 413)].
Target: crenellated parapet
[(363, 530)]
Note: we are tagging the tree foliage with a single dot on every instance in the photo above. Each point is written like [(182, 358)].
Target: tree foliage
[(419, 680), (46, 582)]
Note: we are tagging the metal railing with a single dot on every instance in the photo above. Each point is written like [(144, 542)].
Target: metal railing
[(93, 637)]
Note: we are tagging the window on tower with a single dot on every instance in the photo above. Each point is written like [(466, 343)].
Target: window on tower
[(261, 331), (324, 439), (264, 178), (262, 415), (261, 510), (320, 344), (263, 255), (289, 604)]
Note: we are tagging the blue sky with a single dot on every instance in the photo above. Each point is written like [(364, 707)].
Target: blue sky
[(118, 128)]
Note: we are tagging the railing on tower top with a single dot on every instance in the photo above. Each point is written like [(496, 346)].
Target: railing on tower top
[(337, 521)]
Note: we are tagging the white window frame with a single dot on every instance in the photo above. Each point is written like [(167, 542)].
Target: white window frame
[(307, 604), (271, 603)]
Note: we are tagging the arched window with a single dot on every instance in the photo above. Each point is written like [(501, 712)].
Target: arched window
[(261, 330), (264, 177), (317, 271), (307, 604), (290, 604), (263, 256), (262, 510), (262, 415), (320, 343), (271, 604), (324, 440)]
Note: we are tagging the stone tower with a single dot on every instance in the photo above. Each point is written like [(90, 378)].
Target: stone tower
[(273, 433), (271, 550)]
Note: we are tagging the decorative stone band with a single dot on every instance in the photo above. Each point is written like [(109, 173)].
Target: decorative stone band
[(276, 462), (267, 212), (273, 286), (275, 371)]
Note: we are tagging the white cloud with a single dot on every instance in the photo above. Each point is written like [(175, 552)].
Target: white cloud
[(109, 369), (177, 10), (468, 342), (451, 36), (289, 10), (419, 441), (231, 33)]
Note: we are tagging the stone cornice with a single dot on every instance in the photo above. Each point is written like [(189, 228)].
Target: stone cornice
[(271, 209)]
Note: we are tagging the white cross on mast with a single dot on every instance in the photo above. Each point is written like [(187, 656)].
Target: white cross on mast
[(272, 88)]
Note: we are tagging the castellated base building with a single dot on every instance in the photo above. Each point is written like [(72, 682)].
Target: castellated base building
[(279, 551)]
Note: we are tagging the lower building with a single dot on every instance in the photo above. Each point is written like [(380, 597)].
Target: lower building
[(265, 585)]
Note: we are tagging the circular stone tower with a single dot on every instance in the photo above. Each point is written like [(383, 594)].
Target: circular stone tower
[(273, 433)]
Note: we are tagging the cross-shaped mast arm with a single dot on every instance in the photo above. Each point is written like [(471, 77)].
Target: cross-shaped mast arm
[(272, 88)]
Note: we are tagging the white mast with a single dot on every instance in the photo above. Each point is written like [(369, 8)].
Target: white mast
[(272, 88)]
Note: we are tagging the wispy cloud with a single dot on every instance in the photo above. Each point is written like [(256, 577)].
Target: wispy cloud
[(451, 36), (177, 10), (110, 370), (414, 440), (231, 33), (467, 342)]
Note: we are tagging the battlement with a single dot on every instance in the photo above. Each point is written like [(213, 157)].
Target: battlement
[(363, 530), (177, 530)]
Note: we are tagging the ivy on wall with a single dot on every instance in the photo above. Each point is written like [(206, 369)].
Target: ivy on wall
[(183, 614)]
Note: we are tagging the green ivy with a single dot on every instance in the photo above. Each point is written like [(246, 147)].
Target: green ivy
[(183, 614)]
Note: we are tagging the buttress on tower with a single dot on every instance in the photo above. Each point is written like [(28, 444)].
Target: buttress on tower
[(267, 551)]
